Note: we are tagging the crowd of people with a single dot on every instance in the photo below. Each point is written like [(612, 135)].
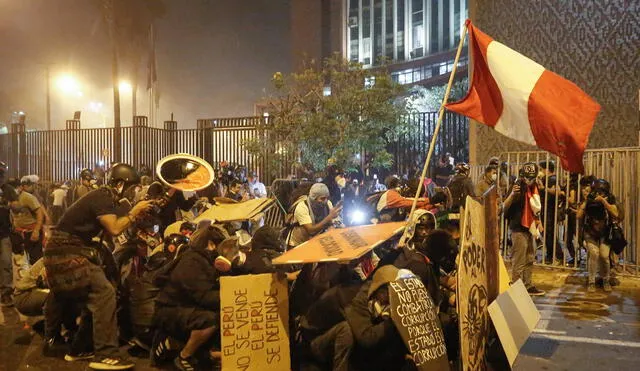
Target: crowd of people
[(93, 259)]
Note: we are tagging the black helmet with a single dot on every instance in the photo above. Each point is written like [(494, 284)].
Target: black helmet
[(123, 173), (86, 174), (600, 186), (188, 226), (528, 170), (463, 168), (427, 220), (174, 242)]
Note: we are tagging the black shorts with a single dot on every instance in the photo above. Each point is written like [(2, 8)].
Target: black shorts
[(182, 320)]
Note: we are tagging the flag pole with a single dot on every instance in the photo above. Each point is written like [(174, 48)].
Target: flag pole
[(463, 34)]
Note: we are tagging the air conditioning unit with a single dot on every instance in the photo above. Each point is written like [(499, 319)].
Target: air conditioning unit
[(353, 21)]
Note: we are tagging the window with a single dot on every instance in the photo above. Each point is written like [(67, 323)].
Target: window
[(417, 26), (400, 34), (378, 37), (435, 23)]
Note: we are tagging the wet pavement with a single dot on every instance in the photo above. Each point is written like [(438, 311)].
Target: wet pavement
[(580, 330), (577, 331)]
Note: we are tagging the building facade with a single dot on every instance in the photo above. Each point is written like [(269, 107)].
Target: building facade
[(417, 39), (594, 44)]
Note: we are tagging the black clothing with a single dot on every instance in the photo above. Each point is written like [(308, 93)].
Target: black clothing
[(81, 218), (193, 282), (234, 196), (168, 213), (423, 268), (328, 310), (514, 212), (442, 174), (461, 186), (378, 345), (258, 262)]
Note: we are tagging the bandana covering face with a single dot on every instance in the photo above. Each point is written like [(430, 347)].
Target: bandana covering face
[(532, 207)]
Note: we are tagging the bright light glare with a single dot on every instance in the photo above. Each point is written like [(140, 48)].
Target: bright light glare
[(68, 84), (357, 216), (125, 87)]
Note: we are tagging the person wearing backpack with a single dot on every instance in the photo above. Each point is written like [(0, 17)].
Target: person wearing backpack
[(312, 215), (597, 213), (188, 304)]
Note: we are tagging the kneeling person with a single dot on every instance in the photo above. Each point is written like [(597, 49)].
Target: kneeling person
[(188, 305)]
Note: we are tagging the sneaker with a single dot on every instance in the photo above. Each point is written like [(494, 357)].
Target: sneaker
[(533, 291), (606, 286), (112, 363), (78, 356), (160, 348), (185, 364), (591, 287), (54, 347)]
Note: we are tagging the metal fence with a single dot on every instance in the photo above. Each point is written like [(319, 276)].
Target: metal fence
[(411, 148), (619, 166), (59, 155)]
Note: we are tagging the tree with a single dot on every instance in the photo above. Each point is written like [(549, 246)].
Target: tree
[(331, 114), (421, 99)]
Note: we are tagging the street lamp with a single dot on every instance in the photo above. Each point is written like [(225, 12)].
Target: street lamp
[(68, 84), (125, 87)]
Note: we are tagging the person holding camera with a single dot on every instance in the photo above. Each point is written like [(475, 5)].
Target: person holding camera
[(597, 213), (522, 209), (73, 264)]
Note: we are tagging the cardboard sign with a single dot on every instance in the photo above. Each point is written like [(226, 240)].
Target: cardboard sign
[(222, 213), (472, 294), (342, 244), (514, 316), (416, 318), (254, 323)]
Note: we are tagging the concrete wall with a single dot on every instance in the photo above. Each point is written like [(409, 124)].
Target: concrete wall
[(594, 43)]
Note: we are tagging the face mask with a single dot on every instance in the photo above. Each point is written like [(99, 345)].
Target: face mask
[(494, 177), (378, 310)]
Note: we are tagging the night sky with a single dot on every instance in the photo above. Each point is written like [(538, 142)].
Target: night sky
[(215, 58)]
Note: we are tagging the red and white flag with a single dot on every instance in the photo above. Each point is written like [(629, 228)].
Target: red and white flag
[(522, 100)]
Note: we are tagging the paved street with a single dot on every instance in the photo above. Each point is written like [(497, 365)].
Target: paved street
[(578, 331)]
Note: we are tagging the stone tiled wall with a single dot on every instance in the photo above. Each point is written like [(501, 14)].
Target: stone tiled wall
[(594, 43)]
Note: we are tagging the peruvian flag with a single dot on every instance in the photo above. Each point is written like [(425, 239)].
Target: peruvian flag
[(519, 98)]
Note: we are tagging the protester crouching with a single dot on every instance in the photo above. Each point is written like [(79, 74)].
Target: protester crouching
[(377, 343), (188, 304), (73, 265), (522, 209), (597, 213)]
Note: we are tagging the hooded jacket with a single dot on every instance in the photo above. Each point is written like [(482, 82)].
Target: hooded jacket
[(193, 282), (378, 345)]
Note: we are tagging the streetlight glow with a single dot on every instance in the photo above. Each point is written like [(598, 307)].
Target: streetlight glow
[(68, 84), (125, 87)]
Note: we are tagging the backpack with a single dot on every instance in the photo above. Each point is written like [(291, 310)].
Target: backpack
[(290, 221), (458, 192)]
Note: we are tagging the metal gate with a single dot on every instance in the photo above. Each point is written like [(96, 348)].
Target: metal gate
[(619, 166)]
